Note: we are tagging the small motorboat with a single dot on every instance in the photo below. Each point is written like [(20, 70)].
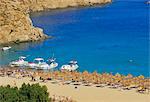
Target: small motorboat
[(19, 63), (6, 48), (53, 63), (38, 64), (71, 66)]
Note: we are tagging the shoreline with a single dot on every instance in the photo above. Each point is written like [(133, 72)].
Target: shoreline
[(71, 7), (11, 31), (59, 85), (31, 41), (37, 70), (67, 8)]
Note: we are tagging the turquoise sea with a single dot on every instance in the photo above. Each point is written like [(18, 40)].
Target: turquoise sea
[(101, 38)]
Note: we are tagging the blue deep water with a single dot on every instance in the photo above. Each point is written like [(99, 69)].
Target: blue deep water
[(100, 38)]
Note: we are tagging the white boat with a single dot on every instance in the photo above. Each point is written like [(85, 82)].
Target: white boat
[(72, 66), (19, 63), (39, 64), (6, 48), (53, 63)]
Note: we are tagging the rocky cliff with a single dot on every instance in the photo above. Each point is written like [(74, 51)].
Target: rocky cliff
[(16, 25)]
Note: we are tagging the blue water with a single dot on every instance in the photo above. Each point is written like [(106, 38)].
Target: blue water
[(101, 38)]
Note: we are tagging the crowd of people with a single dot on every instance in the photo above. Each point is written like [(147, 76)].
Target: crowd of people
[(124, 82)]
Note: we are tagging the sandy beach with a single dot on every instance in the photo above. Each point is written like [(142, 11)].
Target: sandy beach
[(82, 93)]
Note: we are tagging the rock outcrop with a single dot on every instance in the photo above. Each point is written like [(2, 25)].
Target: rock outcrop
[(16, 25)]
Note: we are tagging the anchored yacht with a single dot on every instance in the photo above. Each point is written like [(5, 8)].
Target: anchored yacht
[(53, 63), (71, 66), (6, 48), (19, 63), (39, 64)]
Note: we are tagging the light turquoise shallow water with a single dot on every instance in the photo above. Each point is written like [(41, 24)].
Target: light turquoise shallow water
[(100, 38)]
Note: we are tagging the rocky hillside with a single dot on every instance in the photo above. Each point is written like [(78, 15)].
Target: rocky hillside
[(38, 5), (16, 25)]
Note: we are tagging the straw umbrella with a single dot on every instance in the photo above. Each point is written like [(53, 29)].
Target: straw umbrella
[(141, 77), (129, 76)]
